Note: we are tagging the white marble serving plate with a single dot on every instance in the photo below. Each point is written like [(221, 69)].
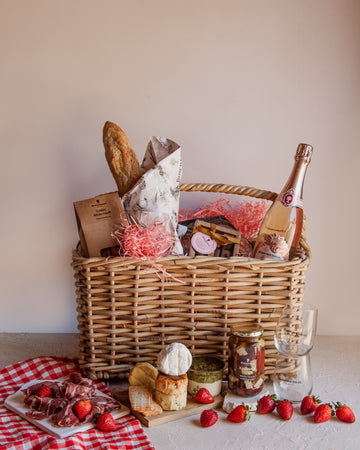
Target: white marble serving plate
[(15, 403)]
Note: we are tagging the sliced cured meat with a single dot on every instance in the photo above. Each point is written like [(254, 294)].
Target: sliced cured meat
[(53, 385), (45, 406), (71, 390), (77, 378), (64, 395), (66, 417), (77, 386), (38, 415), (102, 405)]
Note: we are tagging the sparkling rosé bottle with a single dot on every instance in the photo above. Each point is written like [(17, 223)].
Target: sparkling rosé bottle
[(281, 228)]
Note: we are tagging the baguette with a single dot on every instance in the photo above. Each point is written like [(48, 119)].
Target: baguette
[(121, 158)]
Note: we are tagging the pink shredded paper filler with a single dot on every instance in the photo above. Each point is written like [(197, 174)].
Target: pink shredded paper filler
[(145, 242), (246, 216)]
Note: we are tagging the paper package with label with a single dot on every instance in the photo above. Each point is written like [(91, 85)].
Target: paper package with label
[(155, 197), (97, 218)]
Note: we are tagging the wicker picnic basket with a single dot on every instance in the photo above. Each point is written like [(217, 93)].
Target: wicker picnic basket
[(127, 311)]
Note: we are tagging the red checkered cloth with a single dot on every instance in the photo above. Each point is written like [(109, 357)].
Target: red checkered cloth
[(17, 433)]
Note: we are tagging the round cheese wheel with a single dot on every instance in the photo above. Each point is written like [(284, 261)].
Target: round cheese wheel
[(174, 359)]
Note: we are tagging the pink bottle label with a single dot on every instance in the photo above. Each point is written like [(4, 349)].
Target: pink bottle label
[(289, 199), (272, 246)]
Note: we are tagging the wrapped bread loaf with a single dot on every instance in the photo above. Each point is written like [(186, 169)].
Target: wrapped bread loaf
[(121, 157)]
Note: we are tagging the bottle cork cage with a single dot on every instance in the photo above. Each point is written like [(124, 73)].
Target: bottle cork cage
[(128, 310)]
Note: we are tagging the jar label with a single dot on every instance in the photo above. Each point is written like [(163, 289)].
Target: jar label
[(203, 244), (248, 369), (272, 246), (289, 199)]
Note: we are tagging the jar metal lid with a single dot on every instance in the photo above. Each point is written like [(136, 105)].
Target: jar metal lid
[(247, 330)]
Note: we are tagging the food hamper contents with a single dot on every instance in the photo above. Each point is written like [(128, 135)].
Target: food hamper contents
[(173, 362), (208, 418), (171, 391), (143, 374), (153, 390), (280, 230), (309, 404), (147, 193), (246, 359), (67, 403), (152, 226), (239, 414), (141, 399), (269, 404), (205, 372), (266, 404), (203, 396), (285, 409), (174, 359), (106, 422), (121, 158)]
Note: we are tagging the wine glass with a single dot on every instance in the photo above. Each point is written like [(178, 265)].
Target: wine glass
[(294, 338)]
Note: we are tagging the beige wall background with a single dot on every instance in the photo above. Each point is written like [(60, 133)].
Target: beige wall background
[(237, 84)]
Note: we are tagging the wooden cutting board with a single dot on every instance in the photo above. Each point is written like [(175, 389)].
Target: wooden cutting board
[(190, 409), (15, 403)]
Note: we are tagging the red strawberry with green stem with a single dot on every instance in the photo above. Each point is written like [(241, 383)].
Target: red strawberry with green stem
[(323, 413), (285, 409), (43, 391), (82, 408), (267, 404), (208, 418), (239, 414), (309, 404), (344, 412), (202, 395), (106, 422)]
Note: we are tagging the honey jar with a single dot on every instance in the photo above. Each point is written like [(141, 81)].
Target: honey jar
[(246, 359)]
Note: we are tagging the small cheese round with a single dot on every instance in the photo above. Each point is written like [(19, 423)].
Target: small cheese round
[(174, 359)]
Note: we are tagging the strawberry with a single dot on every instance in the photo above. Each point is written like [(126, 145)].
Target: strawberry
[(239, 414), (203, 396), (323, 413), (82, 408), (309, 404), (43, 391), (285, 409), (106, 422), (344, 413), (266, 404), (208, 418)]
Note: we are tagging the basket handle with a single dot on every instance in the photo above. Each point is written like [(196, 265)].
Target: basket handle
[(243, 190), (229, 189)]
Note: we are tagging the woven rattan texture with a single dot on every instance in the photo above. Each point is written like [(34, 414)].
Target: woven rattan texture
[(128, 309)]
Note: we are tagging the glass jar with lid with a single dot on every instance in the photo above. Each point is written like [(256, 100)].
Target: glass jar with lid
[(246, 359)]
